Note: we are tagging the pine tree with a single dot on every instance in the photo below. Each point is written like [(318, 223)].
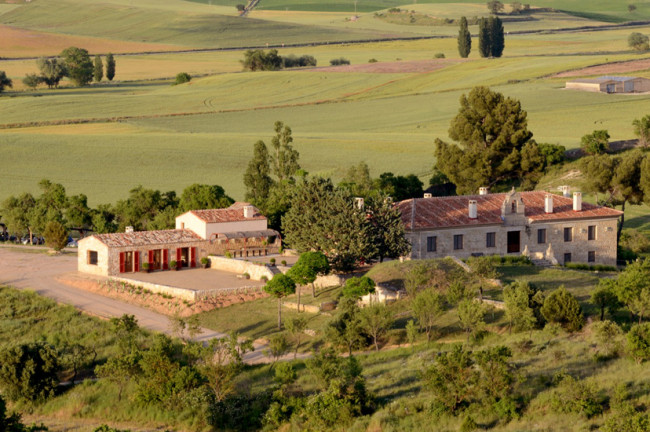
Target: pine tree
[(257, 180), (110, 67), (464, 39), (497, 41), (98, 71), (484, 42), (284, 158)]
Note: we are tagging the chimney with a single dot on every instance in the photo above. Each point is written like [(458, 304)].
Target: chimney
[(483, 190), (249, 211), (128, 229), (472, 209), (577, 201), (428, 195), (359, 203), (548, 203), (566, 191)]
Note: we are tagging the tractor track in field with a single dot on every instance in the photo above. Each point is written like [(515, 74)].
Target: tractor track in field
[(580, 29)]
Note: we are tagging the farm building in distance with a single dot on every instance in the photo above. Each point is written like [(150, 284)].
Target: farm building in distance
[(544, 226), (611, 84), (237, 230)]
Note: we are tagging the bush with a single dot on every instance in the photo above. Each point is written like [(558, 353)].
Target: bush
[(32, 81), (56, 236), (291, 61), (260, 60), (339, 61), (578, 397), (597, 267), (638, 41), (372, 60), (563, 308), (439, 55), (635, 241), (29, 372), (182, 78), (638, 342)]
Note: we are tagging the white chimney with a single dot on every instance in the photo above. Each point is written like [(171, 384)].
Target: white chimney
[(483, 190), (566, 191), (249, 211), (428, 195), (548, 203), (472, 209), (359, 203), (128, 229), (577, 201)]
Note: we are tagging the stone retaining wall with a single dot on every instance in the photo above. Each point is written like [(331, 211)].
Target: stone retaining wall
[(182, 293), (256, 272)]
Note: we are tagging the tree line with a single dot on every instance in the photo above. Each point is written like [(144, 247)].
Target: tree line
[(491, 39)]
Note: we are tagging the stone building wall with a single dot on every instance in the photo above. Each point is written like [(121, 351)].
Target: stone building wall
[(86, 245)]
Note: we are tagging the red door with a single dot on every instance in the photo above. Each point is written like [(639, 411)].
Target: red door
[(165, 259), (136, 261), (121, 262), (179, 258), (193, 257), (151, 266)]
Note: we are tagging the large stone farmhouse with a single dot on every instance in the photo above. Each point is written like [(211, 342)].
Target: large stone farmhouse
[(544, 226), (239, 230)]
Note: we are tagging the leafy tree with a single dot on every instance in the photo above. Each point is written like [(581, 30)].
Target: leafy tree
[(631, 8), (495, 6), (52, 70), (376, 319), (427, 307), (120, 370), (110, 67), (29, 372), (516, 7), (283, 157), (638, 41), (596, 142), (497, 40), (77, 356), (257, 177), (98, 69), (519, 312), (472, 316), (483, 269), (452, 378), (642, 129), (259, 60), (607, 335), (32, 81), (357, 180), (50, 205), (624, 416), (5, 81), (411, 332), (326, 220), (357, 287), (308, 267), (604, 296), (345, 330), (103, 219), (12, 423), (141, 207), (416, 278), (576, 396), (78, 65), (563, 308), (278, 346), (491, 130), (182, 78), (484, 35), (280, 286), (633, 288), (15, 213), (638, 342), (386, 228), (56, 235), (203, 196), (399, 187), (464, 39), (77, 212), (497, 375), (627, 183), (296, 327), (125, 329)]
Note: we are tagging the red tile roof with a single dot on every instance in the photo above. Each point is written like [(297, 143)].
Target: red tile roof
[(234, 213), (452, 211), (148, 238)]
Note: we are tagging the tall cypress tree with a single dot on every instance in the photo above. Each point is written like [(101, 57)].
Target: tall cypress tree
[(110, 67), (484, 42), (497, 40), (257, 180), (464, 39), (98, 70)]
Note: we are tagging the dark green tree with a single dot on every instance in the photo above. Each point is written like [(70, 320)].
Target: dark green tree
[(386, 228), (29, 372), (345, 330), (561, 307), (77, 212), (376, 320), (595, 143), (642, 130), (56, 235), (520, 313), (428, 306), (494, 6), (497, 38), (452, 378), (497, 376), (257, 178), (12, 423), (98, 69), (399, 187), (259, 60), (32, 81), (638, 342), (638, 41), (491, 131), (110, 67), (203, 196), (464, 39), (471, 315), (15, 214), (604, 297), (182, 78), (280, 286), (283, 157), (357, 287), (78, 65), (484, 34), (308, 267), (633, 288), (5, 81), (141, 208), (50, 206), (627, 183), (52, 70), (104, 219)]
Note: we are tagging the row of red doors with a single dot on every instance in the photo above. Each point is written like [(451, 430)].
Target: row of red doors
[(158, 259)]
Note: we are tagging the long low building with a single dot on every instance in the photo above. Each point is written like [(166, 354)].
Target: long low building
[(239, 230), (610, 84), (544, 226)]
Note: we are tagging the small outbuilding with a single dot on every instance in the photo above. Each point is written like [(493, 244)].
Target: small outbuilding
[(611, 84)]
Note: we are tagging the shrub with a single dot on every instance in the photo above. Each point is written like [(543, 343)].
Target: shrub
[(358, 286), (638, 41), (291, 61), (32, 81), (439, 55), (56, 236), (182, 77), (246, 275), (638, 342), (563, 308), (205, 261), (172, 264), (596, 142), (372, 60), (597, 267), (228, 254), (635, 241), (264, 279), (29, 372), (283, 262), (339, 61), (578, 397), (240, 7)]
